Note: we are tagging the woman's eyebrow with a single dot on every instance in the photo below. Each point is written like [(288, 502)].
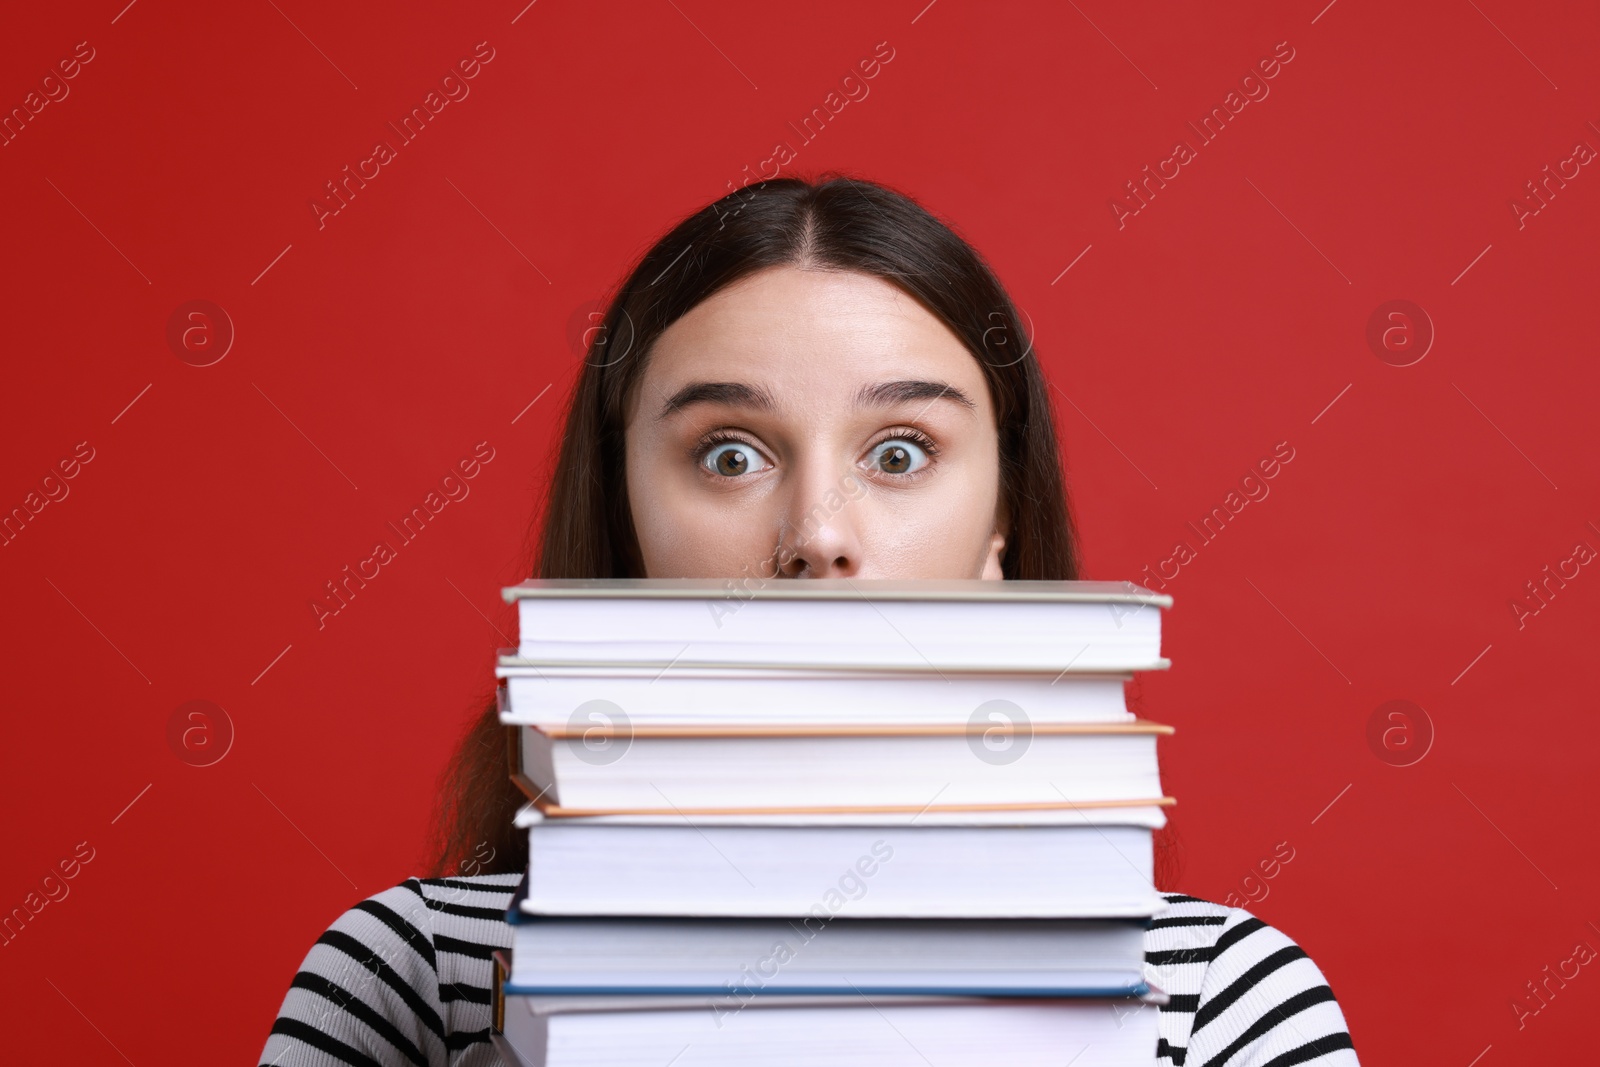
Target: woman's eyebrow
[(885, 394), (734, 394), (882, 394)]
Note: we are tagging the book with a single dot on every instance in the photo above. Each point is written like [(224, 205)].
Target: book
[(1019, 1033), (830, 822), (703, 769), (540, 693), (884, 623), (1042, 863), (961, 957), (802, 1030)]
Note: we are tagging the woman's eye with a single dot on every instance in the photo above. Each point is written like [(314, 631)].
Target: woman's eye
[(733, 458), (899, 456)]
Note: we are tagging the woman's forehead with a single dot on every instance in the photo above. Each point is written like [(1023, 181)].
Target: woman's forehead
[(786, 327)]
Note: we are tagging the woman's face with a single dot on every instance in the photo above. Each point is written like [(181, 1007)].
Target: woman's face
[(813, 424)]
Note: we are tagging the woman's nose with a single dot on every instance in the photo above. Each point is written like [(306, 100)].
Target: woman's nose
[(818, 537)]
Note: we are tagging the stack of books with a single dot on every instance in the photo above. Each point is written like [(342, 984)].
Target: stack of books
[(831, 822)]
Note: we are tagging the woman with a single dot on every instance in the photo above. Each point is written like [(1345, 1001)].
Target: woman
[(777, 344)]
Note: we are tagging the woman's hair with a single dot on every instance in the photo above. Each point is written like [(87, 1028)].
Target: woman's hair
[(834, 224)]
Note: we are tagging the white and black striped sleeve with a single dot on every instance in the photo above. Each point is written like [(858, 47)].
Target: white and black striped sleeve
[(1264, 1003), (367, 993)]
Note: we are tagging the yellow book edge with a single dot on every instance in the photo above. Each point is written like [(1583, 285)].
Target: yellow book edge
[(502, 974)]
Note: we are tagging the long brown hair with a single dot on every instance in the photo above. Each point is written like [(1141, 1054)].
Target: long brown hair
[(831, 223)]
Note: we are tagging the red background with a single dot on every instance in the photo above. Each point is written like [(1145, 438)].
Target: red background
[(373, 353)]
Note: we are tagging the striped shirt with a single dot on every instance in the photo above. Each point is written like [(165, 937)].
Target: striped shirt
[(403, 979)]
